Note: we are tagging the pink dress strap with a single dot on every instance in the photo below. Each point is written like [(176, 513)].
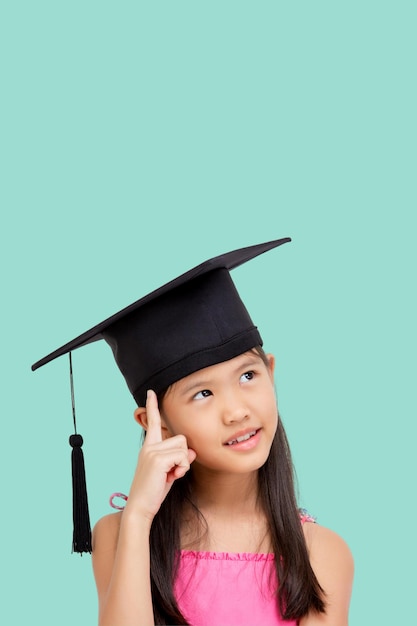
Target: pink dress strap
[(306, 517)]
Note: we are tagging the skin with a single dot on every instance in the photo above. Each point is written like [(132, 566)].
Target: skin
[(198, 416)]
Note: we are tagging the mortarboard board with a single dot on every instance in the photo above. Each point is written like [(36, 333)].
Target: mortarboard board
[(191, 322)]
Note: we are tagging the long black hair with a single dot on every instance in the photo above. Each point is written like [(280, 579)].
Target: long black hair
[(298, 590)]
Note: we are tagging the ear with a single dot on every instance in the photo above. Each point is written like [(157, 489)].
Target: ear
[(271, 369), (271, 366), (141, 418)]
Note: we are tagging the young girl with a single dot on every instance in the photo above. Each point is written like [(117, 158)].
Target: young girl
[(210, 534)]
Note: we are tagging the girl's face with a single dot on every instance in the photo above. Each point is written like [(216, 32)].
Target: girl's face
[(227, 412)]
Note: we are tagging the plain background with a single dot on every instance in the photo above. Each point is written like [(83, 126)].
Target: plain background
[(139, 139)]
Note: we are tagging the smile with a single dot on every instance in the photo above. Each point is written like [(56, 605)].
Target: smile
[(242, 438)]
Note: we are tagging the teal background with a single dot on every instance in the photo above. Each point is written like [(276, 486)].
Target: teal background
[(139, 139)]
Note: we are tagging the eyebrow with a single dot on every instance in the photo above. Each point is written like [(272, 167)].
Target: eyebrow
[(199, 384), (205, 383)]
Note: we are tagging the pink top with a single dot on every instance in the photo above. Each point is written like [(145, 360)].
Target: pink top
[(224, 589), (229, 589)]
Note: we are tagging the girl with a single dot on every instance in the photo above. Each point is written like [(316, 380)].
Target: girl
[(211, 534)]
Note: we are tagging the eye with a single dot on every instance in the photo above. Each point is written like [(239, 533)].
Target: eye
[(247, 376), (205, 393)]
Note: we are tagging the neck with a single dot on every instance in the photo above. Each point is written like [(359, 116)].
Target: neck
[(227, 494), (233, 519)]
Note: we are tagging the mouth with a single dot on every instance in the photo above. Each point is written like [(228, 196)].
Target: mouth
[(244, 437)]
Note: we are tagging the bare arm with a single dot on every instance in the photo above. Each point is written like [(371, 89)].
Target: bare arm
[(121, 570), (332, 563), (121, 559)]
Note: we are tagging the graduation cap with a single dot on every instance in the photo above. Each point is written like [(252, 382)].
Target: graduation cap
[(192, 322)]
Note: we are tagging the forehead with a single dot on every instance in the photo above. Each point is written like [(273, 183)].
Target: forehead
[(247, 359)]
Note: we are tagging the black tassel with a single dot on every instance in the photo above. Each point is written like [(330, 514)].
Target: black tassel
[(81, 541), (81, 538)]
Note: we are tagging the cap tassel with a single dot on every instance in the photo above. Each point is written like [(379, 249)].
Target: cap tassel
[(81, 541)]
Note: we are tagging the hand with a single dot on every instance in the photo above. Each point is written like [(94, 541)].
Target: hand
[(160, 463)]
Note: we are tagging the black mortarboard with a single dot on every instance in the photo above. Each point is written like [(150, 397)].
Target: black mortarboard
[(192, 322)]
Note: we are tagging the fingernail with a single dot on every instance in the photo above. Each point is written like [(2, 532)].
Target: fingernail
[(149, 393)]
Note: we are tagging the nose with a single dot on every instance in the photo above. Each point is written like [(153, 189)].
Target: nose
[(234, 408)]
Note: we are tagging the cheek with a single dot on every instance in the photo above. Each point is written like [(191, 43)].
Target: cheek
[(169, 424), (177, 424), (197, 433), (271, 409), (267, 398)]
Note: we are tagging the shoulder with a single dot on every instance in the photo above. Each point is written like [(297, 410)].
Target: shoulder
[(104, 540), (106, 534), (327, 550), (108, 523), (332, 563), (106, 531), (323, 540)]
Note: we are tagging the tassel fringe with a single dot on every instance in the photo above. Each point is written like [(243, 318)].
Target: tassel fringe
[(81, 541)]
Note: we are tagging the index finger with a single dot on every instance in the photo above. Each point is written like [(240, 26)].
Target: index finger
[(154, 432)]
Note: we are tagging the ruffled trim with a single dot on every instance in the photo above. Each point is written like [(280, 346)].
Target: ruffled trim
[(226, 556), (240, 556)]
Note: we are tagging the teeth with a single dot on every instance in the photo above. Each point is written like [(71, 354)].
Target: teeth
[(242, 438)]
